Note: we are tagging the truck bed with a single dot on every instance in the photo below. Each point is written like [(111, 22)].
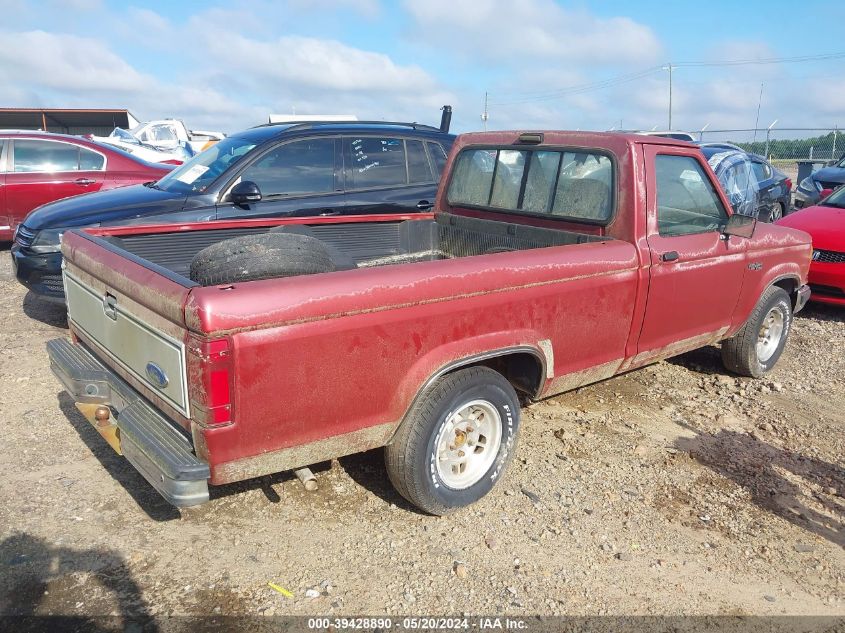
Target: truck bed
[(367, 244)]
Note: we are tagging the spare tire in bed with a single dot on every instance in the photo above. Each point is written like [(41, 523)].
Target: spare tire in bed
[(263, 256)]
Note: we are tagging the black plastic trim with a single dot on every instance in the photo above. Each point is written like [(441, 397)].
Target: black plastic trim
[(160, 270)]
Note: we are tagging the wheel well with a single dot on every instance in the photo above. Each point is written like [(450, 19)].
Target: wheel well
[(790, 286), (523, 370)]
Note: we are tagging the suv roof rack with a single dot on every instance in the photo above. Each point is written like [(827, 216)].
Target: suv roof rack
[(305, 125)]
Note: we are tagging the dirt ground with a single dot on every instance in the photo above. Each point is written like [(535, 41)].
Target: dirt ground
[(676, 489)]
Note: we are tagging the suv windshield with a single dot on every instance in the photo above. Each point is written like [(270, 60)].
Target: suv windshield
[(198, 173)]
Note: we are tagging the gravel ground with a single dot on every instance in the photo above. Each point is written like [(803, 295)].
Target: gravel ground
[(676, 489)]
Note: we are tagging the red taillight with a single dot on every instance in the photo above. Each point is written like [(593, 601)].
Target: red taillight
[(210, 381), (788, 184)]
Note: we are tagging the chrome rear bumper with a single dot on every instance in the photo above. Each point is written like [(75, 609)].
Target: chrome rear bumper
[(157, 449)]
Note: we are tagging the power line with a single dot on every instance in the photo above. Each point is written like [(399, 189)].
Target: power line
[(577, 89), (528, 97), (767, 60)]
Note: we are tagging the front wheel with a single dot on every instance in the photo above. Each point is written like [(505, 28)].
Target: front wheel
[(456, 441), (757, 346), (777, 212)]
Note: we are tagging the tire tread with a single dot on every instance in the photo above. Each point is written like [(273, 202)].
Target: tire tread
[(739, 351), (411, 434)]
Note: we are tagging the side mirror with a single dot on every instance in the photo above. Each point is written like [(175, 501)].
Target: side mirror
[(740, 225), (245, 192)]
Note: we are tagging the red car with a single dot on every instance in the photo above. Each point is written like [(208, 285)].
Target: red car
[(38, 167), (825, 222)]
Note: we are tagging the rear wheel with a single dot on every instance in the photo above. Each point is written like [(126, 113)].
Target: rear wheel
[(777, 212), (456, 441), (756, 348)]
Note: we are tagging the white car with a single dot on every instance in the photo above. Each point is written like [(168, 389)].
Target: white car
[(162, 141)]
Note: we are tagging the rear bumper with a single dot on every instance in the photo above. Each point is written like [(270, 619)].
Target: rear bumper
[(804, 198), (40, 272), (157, 449)]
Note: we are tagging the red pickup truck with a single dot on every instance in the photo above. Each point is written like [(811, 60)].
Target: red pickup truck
[(222, 351)]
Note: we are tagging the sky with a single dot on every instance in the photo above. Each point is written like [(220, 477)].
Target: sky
[(543, 64)]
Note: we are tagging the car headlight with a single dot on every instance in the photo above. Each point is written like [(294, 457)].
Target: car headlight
[(48, 241), (808, 184)]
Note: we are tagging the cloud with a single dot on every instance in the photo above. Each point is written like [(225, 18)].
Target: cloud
[(367, 8), (58, 70), (77, 5), (325, 64), (513, 31), (64, 62), (228, 83)]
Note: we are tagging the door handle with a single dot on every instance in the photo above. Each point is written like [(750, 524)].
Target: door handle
[(328, 212), (670, 256), (84, 181), (424, 205), (110, 306)]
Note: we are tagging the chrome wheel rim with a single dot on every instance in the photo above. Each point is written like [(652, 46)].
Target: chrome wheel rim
[(777, 211), (770, 334), (467, 444)]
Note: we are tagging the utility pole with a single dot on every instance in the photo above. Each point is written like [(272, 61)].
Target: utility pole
[(757, 120), (669, 67), (485, 115)]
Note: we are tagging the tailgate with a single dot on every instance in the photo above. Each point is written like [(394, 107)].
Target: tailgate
[(131, 313)]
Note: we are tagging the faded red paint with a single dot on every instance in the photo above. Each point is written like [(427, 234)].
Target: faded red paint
[(319, 358)]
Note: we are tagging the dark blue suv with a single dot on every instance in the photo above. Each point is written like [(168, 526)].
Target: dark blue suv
[(276, 170)]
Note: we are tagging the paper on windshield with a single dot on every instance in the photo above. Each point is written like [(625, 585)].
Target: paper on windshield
[(192, 174)]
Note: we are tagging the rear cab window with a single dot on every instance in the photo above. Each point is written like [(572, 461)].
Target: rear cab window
[(576, 185)]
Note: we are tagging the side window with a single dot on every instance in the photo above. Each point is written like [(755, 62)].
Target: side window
[(166, 133), (377, 162), (91, 161), (45, 156), (295, 168), (438, 155), (761, 170), (686, 199), (418, 167)]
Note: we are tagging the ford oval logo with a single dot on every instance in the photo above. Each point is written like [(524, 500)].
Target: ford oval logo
[(157, 376)]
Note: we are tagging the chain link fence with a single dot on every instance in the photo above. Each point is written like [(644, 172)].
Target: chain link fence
[(795, 151)]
